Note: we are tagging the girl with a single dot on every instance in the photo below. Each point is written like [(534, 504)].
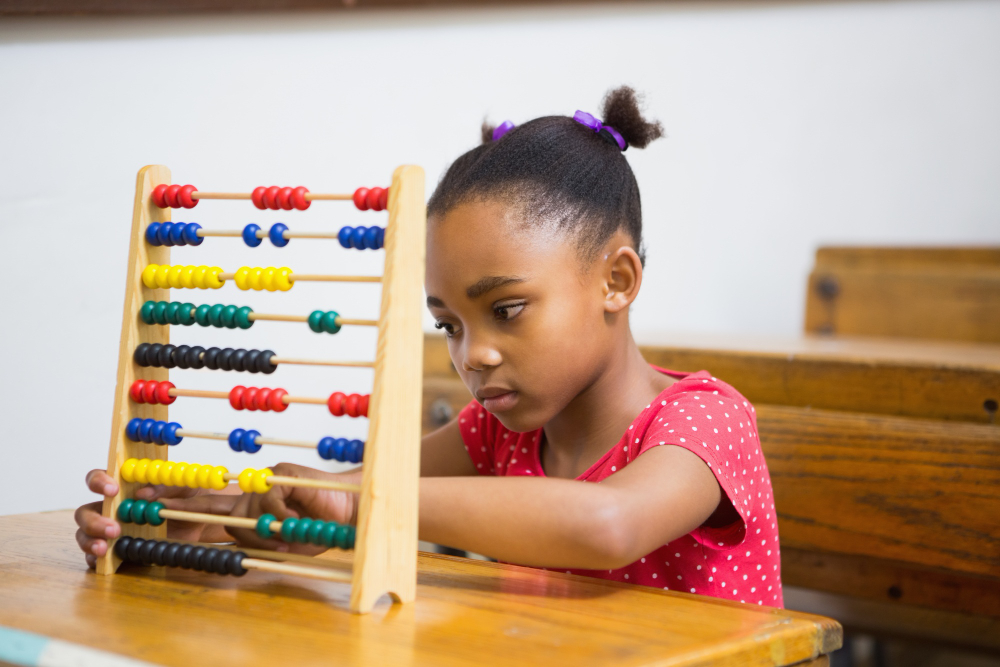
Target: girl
[(534, 256)]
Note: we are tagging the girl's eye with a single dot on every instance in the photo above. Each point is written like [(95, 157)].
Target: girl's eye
[(507, 311), (449, 330)]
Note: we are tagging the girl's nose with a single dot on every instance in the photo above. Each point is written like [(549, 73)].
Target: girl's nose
[(479, 354)]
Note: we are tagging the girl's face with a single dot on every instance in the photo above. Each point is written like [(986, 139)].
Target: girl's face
[(525, 317)]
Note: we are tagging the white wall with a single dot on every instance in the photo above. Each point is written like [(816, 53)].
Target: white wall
[(790, 125)]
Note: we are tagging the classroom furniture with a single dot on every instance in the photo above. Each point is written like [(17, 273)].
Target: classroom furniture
[(467, 612)]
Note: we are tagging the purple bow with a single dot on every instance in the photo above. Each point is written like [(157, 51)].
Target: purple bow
[(502, 129), (587, 119)]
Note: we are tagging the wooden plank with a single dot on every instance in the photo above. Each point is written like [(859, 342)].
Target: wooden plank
[(467, 612), (134, 330), (386, 560)]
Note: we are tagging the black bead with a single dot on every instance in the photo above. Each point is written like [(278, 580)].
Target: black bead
[(212, 358), (140, 354), (167, 356), (194, 359), (121, 547), (208, 560), (195, 560), (153, 354), (133, 549), (236, 564), (224, 356), (184, 556), (146, 552), (222, 561), (181, 356), (157, 554), (236, 361), (264, 364), (250, 361), (170, 555)]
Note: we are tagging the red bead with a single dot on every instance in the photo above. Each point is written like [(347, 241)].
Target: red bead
[(158, 192), (170, 196), (361, 199), (373, 199), (336, 403), (285, 199), (271, 197), (351, 405), (236, 397), (383, 200), (135, 391), (275, 400), (184, 196), (261, 399), (299, 198), (163, 396), (363, 405), (250, 398), (257, 197), (149, 393)]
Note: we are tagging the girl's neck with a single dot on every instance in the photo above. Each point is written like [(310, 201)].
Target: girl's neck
[(596, 419)]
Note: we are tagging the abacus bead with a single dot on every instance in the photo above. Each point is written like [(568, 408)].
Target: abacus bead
[(170, 436), (158, 195), (163, 234), (146, 312), (355, 451), (276, 400), (236, 439), (229, 317), (325, 448), (191, 234), (250, 235), (138, 512), (276, 234), (152, 513), (249, 442), (139, 356), (288, 529), (132, 552), (271, 197), (358, 238), (236, 564), (194, 559), (170, 554), (249, 398), (374, 195), (222, 561), (250, 361), (257, 197), (125, 510), (344, 236), (152, 357), (315, 534), (146, 552), (262, 400), (156, 432), (211, 358), (264, 526), (183, 557), (363, 405), (371, 238), (180, 356), (151, 234), (207, 563), (381, 238), (243, 320), (351, 405), (146, 429), (156, 555), (225, 355), (201, 315), (170, 312), (264, 364), (194, 357), (132, 429), (185, 314), (383, 199), (315, 321), (237, 359), (284, 199), (121, 547), (330, 324), (235, 395), (159, 308), (163, 393), (215, 315), (351, 532), (361, 199), (299, 198), (176, 234), (336, 403), (128, 469), (302, 530), (339, 448), (137, 390), (341, 537), (184, 196), (328, 537), (167, 356)]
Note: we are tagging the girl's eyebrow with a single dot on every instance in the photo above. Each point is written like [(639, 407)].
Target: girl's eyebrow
[(490, 283)]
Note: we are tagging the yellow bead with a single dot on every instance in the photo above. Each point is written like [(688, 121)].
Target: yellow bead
[(128, 470), (140, 471), (177, 474), (241, 277), (212, 278), (162, 275), (217, 479), (149, 276), (174, 276), (203, 474), (281, 279), (246, 479), (260, 483), (267, 279), (166, 471), (187, 277), (198, 276), (254, 279), (191, 475), (153, 471)]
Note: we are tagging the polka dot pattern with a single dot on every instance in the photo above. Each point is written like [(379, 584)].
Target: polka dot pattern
[(715, 422)]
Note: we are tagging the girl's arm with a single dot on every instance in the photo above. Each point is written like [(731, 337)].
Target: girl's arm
[(442, 453)]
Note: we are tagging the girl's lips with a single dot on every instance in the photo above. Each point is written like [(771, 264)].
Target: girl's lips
[(500, 403)]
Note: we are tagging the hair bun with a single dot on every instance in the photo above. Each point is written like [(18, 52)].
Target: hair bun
[(488, 132), (621, 111)]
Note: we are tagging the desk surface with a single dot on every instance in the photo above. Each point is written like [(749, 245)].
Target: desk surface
[(466, 612)]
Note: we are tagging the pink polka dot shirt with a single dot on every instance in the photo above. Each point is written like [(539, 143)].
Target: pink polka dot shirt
[(709, 418)]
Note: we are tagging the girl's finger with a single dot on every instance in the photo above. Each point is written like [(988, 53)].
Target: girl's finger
[(91, 561), (159, 492), (91, 545), (209, 503), (88, 518), (99, 481)]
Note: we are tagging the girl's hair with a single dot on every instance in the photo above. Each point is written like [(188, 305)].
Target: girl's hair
[(558, 173)]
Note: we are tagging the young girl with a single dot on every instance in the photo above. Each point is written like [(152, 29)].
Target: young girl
[(576, 455)]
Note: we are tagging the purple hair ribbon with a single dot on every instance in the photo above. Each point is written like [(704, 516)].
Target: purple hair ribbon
[(502, 129), (590, 121)]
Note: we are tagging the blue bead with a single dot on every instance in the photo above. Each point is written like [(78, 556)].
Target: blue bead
[(371, 238), (325, 448), (275, 234), (152, 234), (249, 442), (177, 234), (191, 234), (236, 439), (144, 429), (381, 238), (344, 236), (250, 235), (163, 234), (170, 436), (358, 238), (355, 451), (339, 447), (156, 433), (132, 429)]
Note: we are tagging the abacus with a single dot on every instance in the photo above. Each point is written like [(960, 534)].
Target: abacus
[(385, 537)]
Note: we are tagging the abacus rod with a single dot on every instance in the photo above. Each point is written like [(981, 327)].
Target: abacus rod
[(197, 194), (357, 323), (202, 233), (216, 519), (309, 277), (306, 482), (201, 393), (317, 362), (342, 321), (262, 233), (260, 440), (298, 570)]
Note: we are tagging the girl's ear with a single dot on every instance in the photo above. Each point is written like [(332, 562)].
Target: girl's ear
[(623, 277)]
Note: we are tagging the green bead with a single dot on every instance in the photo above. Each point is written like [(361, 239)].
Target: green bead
[(201, 315), (215, 315), (330, 322), (351, 532), (264, 526), (185, 315), (243, 320), (288, 529), (158, 310), (315, 532), (138, 512), (146, 312), (302, 530), (170, 312), (340, 540), (327, 537), (229, 317), (316, 321), (152, 513), (125, 511)]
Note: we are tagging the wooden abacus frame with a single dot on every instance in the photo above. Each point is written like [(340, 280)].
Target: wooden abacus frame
[(385, 557)]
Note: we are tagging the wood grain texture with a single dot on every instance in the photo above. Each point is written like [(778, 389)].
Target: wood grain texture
[(467, 612), (940, 293), (927, 379), (386, 557), (134, 331)]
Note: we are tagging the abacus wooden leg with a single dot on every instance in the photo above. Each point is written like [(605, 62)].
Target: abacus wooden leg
[(386, 547), (134, 331)]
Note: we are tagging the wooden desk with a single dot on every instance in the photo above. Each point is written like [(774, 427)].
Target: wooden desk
[(467, 612)]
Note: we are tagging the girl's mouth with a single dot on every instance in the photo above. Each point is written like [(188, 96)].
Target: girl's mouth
[(497, 402)]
